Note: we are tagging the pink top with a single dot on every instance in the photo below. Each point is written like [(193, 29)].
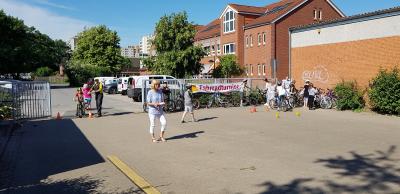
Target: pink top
[(86, 93)]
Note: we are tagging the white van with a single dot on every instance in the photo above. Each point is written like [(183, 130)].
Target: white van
[(104, 79), (136, 82), (122, 85)]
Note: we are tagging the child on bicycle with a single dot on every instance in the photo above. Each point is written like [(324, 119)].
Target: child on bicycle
[(79, 103), (188, 104), (281, 94)]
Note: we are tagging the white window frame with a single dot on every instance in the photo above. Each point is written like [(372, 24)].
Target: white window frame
[(251, 40), (247, 41), (315, 14), (263, 69), (218, 49), (247, 69), (259, 39), (320, 14), (229, 45), (251, 69), (264, 38), (229, 18), (259, 70)]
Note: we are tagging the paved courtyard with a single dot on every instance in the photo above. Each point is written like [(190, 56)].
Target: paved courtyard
[(227, 151)]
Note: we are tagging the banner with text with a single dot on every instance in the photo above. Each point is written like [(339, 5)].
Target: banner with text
[(217, 88)]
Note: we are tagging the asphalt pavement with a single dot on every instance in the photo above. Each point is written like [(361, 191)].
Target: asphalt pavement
[(227, 151)]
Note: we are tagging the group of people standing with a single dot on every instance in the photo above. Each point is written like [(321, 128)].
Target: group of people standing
[(156, 101), (280, 89), (84, 95)]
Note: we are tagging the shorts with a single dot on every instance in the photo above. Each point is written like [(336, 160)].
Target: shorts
[(189, 109), (88, 100)]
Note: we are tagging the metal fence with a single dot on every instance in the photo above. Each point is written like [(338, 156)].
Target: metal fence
[(28, 100), (177, 86)]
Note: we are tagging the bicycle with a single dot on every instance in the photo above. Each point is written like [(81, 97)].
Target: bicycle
[(80, 110), (274, 104), (218, 101)]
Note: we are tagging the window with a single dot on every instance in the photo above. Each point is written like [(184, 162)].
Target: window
[(229, 48), (259, 39), (229, 21), (320, 15), (218, 49), (251, 40), (263, 69), (251, 69), (259, 70), (315, 14), (264, 38), (247, 70), (247, 41)]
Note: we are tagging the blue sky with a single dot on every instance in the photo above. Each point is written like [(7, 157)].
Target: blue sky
[(132, 19)]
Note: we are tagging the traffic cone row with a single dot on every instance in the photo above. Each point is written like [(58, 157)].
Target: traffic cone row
[(253, 109)]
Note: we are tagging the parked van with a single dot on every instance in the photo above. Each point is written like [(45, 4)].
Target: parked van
[(136, 85), (123, 85), (104, 79), (110, 86)]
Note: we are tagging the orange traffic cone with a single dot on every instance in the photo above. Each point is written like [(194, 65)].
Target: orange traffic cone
[(90, 115), (253, 109), (58, 117)]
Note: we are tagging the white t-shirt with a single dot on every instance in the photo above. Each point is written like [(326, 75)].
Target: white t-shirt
[(312, 91), (286, 83), (281, 90)]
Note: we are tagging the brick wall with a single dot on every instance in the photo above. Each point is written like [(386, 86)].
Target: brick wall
[(258, 54), (328, 64), (303, 15)]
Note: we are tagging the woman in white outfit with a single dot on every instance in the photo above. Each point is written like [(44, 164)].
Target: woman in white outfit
[(155, 102), (271, 91)]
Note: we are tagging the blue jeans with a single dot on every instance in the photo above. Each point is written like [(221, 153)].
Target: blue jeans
[(281, 98)]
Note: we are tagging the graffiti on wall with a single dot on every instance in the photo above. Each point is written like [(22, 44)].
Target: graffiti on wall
[(317, 74)]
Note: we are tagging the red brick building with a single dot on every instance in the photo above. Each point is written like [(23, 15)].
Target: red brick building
[(259, 36)]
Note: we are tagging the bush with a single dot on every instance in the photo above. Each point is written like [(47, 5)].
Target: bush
[(44, 72), (80, 74), (384, 93), (349, 97)]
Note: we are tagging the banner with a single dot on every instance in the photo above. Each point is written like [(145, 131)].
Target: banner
[(217, 88)]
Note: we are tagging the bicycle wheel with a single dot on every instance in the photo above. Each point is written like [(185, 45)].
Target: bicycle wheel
[(291, 102), (285, 105), (325, 103), (169, 106), (145, 108), (196, 104), (179, 106), (273, 104)]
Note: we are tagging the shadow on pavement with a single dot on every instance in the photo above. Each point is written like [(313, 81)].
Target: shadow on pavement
[(377, 172), (188, 135), (47, 148), (81, 185), (206, 119), (117, 113)]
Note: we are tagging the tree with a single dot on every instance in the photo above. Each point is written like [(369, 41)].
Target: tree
[(24, 49), (99, 46), (176, 53), (228, 67)]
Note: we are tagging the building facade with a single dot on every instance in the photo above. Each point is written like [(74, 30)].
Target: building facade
[(131, 51), (145, 45), (209, 38), (350, 49), (259, 36)]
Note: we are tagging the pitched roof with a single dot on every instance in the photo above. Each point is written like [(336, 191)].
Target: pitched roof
[(274, 11), (247, 9), (210, 30), (349, 18)]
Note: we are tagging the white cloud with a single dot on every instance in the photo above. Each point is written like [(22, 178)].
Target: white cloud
[(56, 5), (52, 24)]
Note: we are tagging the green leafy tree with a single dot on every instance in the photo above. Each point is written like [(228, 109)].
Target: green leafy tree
[(24, 49), (176, 53), (384, 93), (99, 46), (228, 67)]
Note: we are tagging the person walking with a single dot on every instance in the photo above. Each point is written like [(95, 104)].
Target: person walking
[(155, 102), (188, 104), (305, 93), (98, 93)]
